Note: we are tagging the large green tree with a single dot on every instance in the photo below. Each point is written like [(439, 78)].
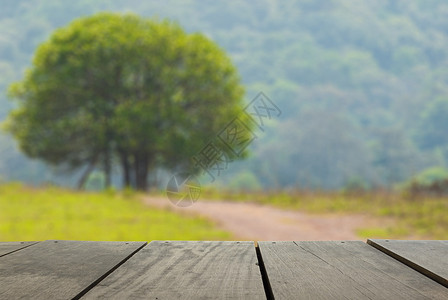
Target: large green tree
[(120, 88)]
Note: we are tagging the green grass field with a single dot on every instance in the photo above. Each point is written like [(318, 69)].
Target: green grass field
[(52, 213), (424, 217)]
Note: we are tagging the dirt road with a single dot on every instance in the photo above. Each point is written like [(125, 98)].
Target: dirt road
[(249, 221)]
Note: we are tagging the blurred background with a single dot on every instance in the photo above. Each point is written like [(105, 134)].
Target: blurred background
[(361, 144)]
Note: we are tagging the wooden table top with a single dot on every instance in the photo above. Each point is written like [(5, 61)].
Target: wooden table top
[(378, 269)]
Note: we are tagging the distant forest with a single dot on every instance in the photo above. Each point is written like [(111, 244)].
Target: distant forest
[(362, 85)]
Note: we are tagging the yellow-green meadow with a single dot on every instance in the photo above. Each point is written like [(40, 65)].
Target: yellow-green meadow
[(53, 213)]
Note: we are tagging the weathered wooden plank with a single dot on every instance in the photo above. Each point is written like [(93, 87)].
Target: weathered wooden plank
[(427, 257), (60, 269), (10, 247), (186, 270), (342, 270)]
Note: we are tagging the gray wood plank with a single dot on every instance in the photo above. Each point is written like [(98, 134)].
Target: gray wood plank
[(10, 247), (427, 257), (186, 270), (342, 270), (60, 269)]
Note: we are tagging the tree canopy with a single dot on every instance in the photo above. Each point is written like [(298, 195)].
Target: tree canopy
[(121, 88)]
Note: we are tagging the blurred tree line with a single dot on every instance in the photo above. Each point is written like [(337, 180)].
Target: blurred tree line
[(362, 85)]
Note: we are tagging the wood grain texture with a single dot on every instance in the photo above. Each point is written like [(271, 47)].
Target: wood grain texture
[(10, 247), (342, 270), (60, 269), (427, 257), (186, 270)]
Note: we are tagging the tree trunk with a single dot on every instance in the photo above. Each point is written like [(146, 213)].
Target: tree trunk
[(85, 175), (126, 169), (107, 168), (141, 166)]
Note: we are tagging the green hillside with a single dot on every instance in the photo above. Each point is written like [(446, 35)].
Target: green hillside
[(355, 81)]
